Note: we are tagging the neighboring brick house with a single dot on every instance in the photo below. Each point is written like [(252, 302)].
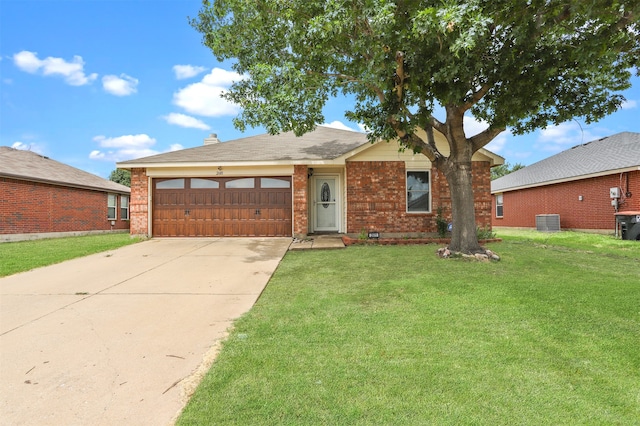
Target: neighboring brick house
[(575, 184), (326, 181), (40, 197)]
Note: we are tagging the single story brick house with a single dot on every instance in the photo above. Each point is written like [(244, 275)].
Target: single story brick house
[(585, 185), (41, 197), (326, 181)]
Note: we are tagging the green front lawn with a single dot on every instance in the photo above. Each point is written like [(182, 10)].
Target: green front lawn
[(394, 335), (22, 256)]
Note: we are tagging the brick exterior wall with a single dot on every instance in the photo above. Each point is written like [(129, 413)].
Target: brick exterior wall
[(32, 207), (376, 198), (482, 193), (300, 201), (138, 205), (593, 212)]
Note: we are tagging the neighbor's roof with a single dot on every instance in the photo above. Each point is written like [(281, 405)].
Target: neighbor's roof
[(613, 154), (324, 143), (27, 165)]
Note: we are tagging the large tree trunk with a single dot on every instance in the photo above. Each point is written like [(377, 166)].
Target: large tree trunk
[(464, 237), (457, 170)]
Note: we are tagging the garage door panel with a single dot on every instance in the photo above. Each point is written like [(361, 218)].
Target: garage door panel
[(222, 211)]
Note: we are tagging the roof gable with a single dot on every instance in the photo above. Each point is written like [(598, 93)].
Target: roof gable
[(610, 154), (27, 165)]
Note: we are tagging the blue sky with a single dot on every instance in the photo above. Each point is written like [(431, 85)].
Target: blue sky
[(91, 82)]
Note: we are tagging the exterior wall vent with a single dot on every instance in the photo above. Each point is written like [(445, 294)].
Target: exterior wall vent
[(548, 222)]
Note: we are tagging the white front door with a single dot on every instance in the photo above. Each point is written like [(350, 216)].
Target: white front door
[(326, 202)]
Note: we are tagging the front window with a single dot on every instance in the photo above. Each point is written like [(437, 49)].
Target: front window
[(124, 207), (418, 192), (499, 205), (112, 205)]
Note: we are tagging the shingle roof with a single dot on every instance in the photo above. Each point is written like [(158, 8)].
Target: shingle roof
[(324, 143), (27, 165), (620, 151)]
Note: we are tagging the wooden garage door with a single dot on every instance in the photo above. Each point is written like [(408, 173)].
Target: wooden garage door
[(222, 207)]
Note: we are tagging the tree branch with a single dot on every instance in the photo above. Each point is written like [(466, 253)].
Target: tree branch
[(400, 76), (484, 137), (475, 97), (438, 125)]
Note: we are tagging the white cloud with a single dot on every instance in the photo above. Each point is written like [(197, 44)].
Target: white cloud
[(558, 138), (33, 147), (72, 72), (498, 143), (185, 121), (120, 86), (187, 71), (124, 147), (203, 98), (629, 104), (340, 125), (126, 141)]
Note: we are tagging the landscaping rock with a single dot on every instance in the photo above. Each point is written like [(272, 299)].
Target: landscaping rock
[(487, 256)]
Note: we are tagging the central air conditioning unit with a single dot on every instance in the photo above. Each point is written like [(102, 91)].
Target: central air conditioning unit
[(548, 222)]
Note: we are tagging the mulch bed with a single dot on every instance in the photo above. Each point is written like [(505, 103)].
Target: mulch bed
[(349, 241)]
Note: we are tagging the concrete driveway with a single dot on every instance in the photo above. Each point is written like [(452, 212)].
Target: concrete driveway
[(122, 337)]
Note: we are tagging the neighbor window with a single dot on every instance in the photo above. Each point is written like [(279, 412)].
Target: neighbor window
[(112, 205), (499, 206), (124, 207), (418, 192)]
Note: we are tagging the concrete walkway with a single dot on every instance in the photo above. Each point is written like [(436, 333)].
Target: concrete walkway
[(322, 242), (122, 337)]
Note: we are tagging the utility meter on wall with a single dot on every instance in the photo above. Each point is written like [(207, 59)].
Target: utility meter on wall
[(614, 192)]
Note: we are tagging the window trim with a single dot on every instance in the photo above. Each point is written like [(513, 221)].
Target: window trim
[(406, 177), (499, 205), (113, 197), (124, 210)]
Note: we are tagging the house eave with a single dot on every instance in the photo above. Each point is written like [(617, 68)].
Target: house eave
[(496, 160), (209, 164), (564, 180), (65, 184)]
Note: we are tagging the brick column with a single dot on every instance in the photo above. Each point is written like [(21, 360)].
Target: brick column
[(138, 206), (300, 201)]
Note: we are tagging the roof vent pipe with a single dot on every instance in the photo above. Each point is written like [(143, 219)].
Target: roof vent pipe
[(213, 138)]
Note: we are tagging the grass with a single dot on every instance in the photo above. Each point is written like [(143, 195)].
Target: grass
[(581, 241), (377, 335), (26, 255)]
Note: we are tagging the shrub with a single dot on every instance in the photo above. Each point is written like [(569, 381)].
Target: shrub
[(441, 224)]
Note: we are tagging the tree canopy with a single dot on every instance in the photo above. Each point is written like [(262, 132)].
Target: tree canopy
[(121, 176), (504, 169), (522, 65)]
